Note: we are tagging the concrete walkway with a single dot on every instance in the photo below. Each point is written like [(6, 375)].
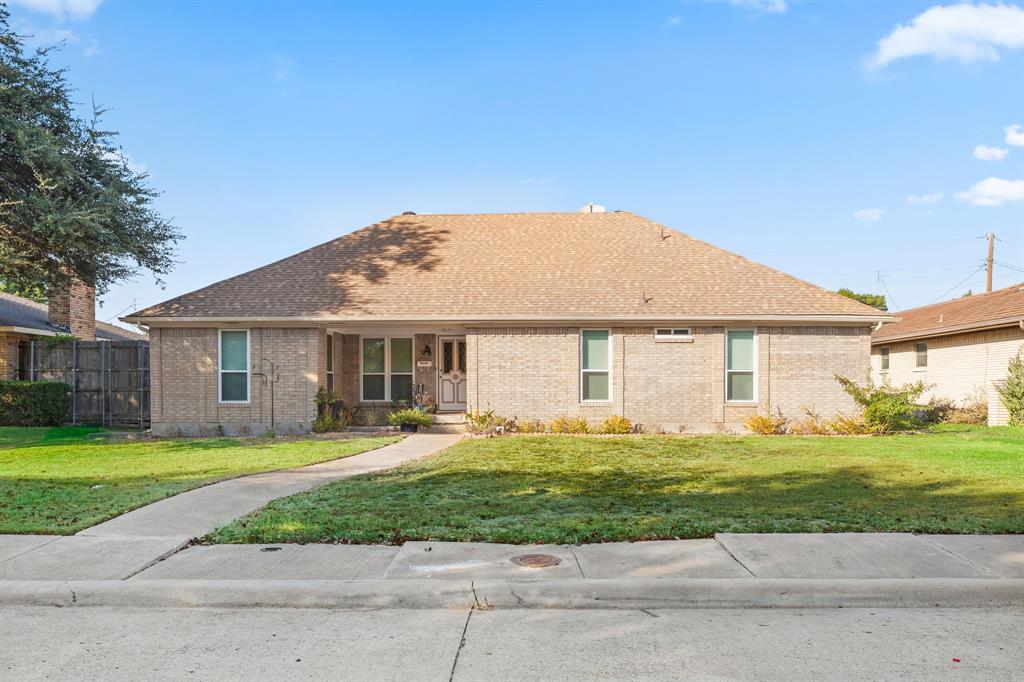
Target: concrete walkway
[(122, 546), (826, 556)]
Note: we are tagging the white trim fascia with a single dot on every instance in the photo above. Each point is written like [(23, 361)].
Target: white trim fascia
[(498, 319), (28, 331)]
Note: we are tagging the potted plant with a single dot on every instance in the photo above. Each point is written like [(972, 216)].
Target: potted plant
[(409, 420)]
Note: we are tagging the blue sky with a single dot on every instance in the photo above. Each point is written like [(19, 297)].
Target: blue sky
[(782, 131)]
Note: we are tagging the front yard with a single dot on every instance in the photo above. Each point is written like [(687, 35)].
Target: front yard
[(57, 480), (589, 489)]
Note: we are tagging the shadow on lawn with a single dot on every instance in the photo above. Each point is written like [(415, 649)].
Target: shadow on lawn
[(617, 505)]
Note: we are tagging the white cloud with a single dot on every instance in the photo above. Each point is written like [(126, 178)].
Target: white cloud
[(77, 10), (92, 49), (986, 153), (868, 215), (993, 192), (766, 6), (674, 21), (1014, 135), (933, 198), (965, 31)]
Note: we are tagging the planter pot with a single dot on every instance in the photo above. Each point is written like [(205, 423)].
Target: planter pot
[(408, 428)]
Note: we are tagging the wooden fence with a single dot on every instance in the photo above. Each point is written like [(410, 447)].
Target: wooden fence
[(109, 379)]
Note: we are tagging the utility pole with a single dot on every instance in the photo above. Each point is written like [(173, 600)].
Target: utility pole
[(991, 251)]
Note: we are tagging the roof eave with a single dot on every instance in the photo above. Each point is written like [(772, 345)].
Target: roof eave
[(476, 319), (949, 331)]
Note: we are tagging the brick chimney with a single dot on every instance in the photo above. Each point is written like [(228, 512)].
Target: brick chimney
[(73, 308)]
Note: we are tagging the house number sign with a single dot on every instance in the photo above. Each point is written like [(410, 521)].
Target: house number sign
[(424, 363)]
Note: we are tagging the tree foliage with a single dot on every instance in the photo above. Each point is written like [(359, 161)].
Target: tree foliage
[(873, 300), (1011, 391), (69, 203)]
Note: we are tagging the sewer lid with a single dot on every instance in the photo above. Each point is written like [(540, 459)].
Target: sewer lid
[(536, 560)]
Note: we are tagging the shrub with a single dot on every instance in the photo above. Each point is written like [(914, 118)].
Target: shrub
[(488, 424), (563, 424), (616, 424), (531, 426), (844, 425), (973, 411), (887, 408), (1011, 390), (410, 416), (324, 422), (766, 424), (34, 403), (811, 425)]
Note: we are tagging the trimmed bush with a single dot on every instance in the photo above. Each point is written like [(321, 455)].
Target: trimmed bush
[(410, 416), (565, 424), (766, 424), (616, 424), (34, 403)]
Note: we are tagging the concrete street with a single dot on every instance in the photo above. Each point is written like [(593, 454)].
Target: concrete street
[(277, 644)]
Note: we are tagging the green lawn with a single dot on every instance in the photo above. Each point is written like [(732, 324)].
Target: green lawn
[(585, 489), (55, 480)]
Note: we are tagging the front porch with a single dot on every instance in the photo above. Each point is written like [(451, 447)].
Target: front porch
[(373, 369)]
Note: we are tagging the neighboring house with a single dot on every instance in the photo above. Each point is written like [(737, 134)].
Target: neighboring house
[(532, 315), (961, 347), (73, 312)]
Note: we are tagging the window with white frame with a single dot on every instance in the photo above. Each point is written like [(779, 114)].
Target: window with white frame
[(595, 365), (387, 368), (330, 362), (677, 333), (740, 365), (234, 366)]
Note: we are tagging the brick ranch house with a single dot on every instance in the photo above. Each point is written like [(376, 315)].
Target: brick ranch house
[(532, 315), (961, 348)]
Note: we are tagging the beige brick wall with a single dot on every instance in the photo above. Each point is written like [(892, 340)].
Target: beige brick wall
[(183, 365), (534, 373), (9, 356), (959, 367)]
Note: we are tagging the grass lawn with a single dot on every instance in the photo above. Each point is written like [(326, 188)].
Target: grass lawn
[(54, 480), (584, 489)]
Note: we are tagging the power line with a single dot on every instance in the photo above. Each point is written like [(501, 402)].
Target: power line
[(958, 285)]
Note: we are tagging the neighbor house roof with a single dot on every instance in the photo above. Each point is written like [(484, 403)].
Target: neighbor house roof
[(508, 267), (29, 317), (1000, 308)]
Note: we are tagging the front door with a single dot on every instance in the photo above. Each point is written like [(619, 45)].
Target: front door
[(452, 372)]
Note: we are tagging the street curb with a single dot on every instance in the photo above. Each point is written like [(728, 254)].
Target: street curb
[(573, 593)]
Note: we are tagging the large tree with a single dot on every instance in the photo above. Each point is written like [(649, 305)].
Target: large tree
[(69, 203), (873, 300)]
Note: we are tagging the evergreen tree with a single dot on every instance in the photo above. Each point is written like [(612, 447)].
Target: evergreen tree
[(69, 203)]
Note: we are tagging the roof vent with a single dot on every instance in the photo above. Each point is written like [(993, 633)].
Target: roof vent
[(592, 208), (408, 212)]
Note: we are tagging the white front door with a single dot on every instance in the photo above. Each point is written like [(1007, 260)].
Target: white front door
[(452, 372)]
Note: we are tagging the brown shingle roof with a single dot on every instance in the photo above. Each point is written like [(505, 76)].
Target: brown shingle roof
[(510, 266), (1002, 307)]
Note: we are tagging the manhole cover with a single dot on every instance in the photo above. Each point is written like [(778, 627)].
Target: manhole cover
[(536, 560)]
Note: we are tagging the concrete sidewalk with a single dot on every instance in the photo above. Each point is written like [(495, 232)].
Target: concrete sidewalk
[(826, 556), (123, 546)]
